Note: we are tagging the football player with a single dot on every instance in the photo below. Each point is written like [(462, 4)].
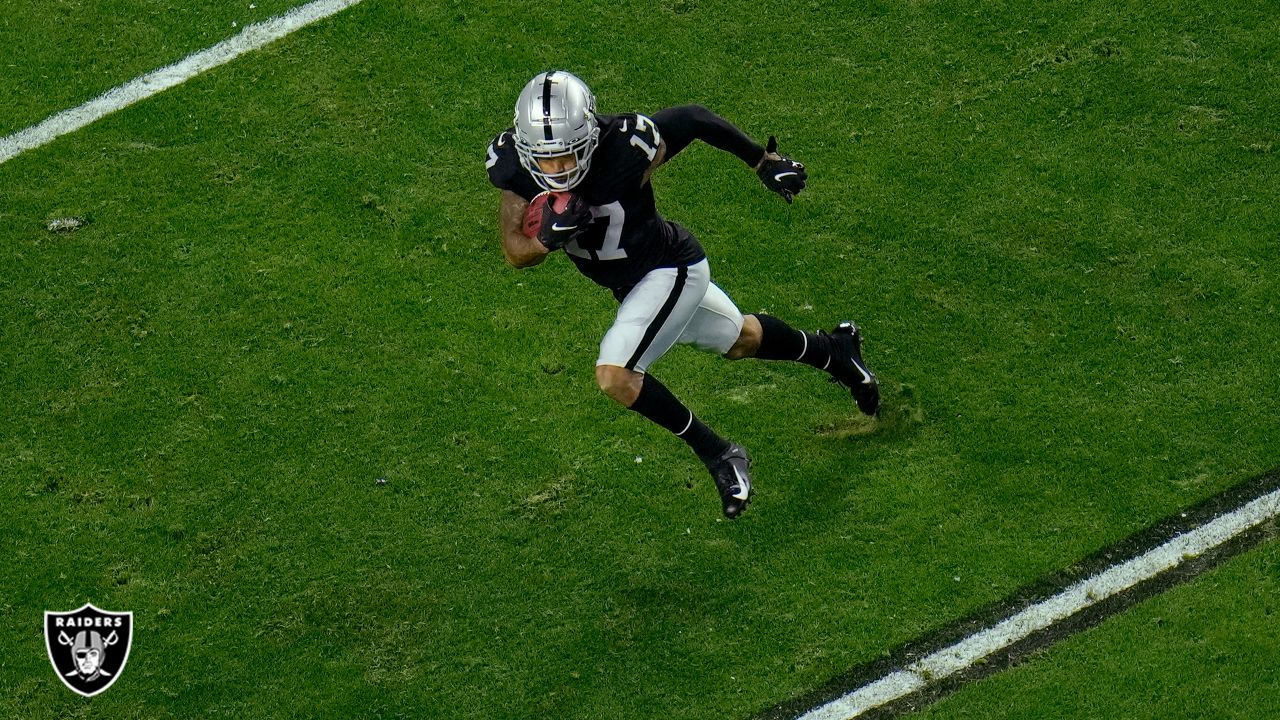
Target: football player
[(657, 270)]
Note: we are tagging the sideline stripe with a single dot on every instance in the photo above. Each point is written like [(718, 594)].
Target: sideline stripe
[(141, 88), (932, 671)]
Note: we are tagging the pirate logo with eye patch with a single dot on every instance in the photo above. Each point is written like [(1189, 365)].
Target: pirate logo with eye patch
[(88, 647)]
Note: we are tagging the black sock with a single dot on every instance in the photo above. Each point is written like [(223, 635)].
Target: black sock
[(658, 404), (780, 341)]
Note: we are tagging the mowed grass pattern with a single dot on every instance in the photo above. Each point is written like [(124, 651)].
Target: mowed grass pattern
[(1053, 222)]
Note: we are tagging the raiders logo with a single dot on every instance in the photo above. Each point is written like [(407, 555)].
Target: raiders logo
[(88, 647)]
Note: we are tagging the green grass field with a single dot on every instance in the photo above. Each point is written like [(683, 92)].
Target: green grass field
[(1207, 650), (1056, 224)]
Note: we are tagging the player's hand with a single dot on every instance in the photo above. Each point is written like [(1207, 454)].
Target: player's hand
[(559, 227), (779, 173)]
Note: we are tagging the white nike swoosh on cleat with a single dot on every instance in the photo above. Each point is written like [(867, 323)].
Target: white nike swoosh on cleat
[(744, 485), (866, 377), (557, 227), (781, 175)]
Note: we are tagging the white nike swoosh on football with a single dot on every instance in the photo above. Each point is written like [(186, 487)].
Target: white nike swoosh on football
[(557, 227), (744, 485), (781, 175)]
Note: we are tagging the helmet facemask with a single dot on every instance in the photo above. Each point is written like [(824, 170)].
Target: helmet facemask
[(555, 116)]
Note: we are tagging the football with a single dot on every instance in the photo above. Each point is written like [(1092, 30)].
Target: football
[(536, 211)]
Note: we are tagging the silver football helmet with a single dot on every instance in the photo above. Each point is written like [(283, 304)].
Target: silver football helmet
[(556, 115)]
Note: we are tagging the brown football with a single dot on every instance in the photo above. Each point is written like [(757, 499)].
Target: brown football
[(534, 214)]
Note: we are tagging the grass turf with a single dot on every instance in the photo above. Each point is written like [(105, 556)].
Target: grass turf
[(1202, 650), (1051, 221), (60, 53)]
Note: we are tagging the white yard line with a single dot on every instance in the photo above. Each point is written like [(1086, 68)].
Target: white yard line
[(141, 88), (1116, 579)]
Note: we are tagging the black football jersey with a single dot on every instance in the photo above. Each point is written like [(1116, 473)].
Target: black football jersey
[(627, 237)]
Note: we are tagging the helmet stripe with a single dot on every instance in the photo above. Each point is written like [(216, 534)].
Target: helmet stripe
[(546, 106)]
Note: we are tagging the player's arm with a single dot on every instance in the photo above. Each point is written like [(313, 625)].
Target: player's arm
[(520, 250), (681, 125)]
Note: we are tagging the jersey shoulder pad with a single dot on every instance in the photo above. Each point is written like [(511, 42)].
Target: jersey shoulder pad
[(505, 170), (630, 143), (640, 133)]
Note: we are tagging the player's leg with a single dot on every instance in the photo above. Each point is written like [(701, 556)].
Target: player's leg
[(838, 352), (719, 326), (650, 321), (644, 394)]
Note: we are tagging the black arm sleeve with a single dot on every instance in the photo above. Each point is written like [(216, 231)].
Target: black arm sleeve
[(681, 125)]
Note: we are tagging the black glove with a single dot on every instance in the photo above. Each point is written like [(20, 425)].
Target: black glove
[(562, 220), (781, 174)]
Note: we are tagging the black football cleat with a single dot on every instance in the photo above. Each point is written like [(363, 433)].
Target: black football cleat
[(848, 368), (732, 473)]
